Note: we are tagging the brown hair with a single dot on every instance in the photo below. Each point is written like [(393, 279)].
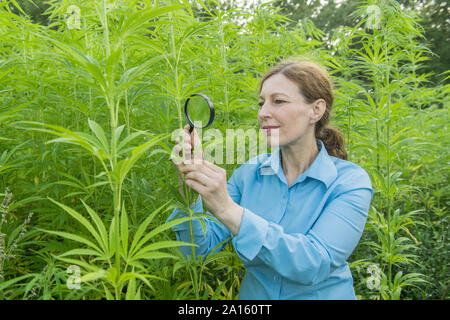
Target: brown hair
[(314, 83)]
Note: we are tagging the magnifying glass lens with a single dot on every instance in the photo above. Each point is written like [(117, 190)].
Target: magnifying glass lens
[(199, 111)]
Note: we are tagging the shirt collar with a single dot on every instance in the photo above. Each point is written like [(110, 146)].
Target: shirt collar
[(322, 168)]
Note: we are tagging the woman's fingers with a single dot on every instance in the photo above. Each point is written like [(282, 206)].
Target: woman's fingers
[(201, 167), (199, 177), (200, 188), (213, 167)]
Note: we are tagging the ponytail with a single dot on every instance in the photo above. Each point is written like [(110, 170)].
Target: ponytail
[(333, 140)]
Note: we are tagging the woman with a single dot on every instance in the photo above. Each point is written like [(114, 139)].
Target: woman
[(296, 216)]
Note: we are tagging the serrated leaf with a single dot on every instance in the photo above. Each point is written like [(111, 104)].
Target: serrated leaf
[(83, 221), (72, 237), (93, 276), (158, 230), (143, 226), (152, 255), (99, 133), (81, 252), (100, 226)]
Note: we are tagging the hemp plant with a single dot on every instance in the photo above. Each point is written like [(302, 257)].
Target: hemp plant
[(178, 85), (105, 75), (383, 60)]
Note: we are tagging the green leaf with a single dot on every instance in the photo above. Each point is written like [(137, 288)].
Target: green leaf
[(128, 139), (112, 238), (143, 226), (108, 294), (124, 231), (92, 276), (131, 290), (81, 139), (12, 281), (123, 167), (132, 275), (99, 133), (91, 65), (111, 275), (218, 291), (72, 237), (158, 230), (118, 133), (216, 256), (81, 252), (160, 245), (138, 22), (152, 255), (80, 263), (131, 76), (100, 226), (110, 66), (84, 222)]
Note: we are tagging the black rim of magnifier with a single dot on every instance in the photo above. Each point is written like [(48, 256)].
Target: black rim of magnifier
[(211, 110)]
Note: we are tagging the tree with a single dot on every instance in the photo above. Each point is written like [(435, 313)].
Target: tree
[(326, 17), (436, 17), (34, 9), (329, 15)]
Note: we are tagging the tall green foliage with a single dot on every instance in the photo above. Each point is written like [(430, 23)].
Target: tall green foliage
[(88, 104)]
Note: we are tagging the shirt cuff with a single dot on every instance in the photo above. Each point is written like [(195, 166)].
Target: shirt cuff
[(252, 233), (178, 213)]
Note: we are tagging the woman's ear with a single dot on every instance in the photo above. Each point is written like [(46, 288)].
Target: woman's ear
[(318, 109)]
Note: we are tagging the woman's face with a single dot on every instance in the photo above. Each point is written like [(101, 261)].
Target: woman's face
[(284, 115)]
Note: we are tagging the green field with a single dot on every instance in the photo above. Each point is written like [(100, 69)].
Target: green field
[(91, 91)]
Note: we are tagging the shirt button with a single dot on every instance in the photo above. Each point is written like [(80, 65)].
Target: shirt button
[(276, 278)]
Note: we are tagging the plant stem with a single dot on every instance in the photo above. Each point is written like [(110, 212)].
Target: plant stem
[(225, 66), (186, 189), (105, 29), (388, 168)]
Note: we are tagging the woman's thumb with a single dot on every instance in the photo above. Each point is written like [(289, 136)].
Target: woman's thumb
[(196, 144)]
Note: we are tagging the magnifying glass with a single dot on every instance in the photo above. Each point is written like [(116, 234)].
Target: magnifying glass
[(199, 111)]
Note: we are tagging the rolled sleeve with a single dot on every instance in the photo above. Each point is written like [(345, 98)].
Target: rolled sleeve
[(252, 233)]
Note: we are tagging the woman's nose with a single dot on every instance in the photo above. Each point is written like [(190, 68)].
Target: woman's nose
[(264, 111), (263, 114)]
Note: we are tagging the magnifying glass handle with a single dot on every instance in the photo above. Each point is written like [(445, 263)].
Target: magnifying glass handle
[(190, 131)]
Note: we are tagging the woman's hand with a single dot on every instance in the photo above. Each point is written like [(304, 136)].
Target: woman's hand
[(210, 181), (191, 142)]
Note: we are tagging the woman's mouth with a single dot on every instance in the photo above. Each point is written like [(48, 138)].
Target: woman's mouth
[(270, 128)]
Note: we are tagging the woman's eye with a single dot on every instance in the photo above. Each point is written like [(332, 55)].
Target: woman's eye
[(279, 101), (260, 104)]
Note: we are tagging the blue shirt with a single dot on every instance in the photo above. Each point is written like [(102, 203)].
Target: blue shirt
[(294, 241)]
